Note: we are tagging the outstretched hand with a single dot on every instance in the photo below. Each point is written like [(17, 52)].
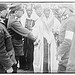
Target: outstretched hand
[(36, 42)]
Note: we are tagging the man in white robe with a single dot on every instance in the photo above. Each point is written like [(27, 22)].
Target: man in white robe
[(44, 53)]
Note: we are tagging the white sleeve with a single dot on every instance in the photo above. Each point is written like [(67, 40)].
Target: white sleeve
[(69, 35)]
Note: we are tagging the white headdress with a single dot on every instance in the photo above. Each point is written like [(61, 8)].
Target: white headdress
[(37, 5), (46, 5)]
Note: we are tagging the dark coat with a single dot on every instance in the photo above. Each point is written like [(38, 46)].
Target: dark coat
[(8, 43), (5, 60)]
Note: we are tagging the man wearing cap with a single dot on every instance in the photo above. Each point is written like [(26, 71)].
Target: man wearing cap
[(16, 30), (6, 47), (66, 39)]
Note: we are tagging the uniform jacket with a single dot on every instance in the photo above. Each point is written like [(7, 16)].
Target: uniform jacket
[(16, 30), (71, 60), (8, 42), (5, 60), (65, 46)]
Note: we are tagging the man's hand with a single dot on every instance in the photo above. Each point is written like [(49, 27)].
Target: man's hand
[(36, 42)]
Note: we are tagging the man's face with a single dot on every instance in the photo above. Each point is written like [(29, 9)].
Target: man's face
[(29, 12), (38, 11), (19, 13), (47, 12)]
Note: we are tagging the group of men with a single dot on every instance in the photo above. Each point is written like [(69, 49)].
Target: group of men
[(37, 37), (12, 33)]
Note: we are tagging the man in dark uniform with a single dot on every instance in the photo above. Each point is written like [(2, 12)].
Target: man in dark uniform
[(5, 43), (16, 30)]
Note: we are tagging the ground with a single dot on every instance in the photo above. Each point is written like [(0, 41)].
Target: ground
[(22, 71)]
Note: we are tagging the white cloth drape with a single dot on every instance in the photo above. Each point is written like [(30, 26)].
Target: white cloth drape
[(43, 29)]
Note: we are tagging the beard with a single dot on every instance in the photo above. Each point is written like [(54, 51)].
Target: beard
[(29, 16)]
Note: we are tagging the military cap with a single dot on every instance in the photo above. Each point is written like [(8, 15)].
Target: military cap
[(15, 7), (3, 7)]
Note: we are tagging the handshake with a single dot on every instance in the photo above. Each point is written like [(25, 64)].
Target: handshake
[(36, 41)]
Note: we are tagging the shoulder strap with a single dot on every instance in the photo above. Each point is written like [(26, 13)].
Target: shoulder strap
[(5, 30)]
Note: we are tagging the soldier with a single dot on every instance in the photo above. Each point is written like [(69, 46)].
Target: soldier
[(65, 37), (6, 47), (16, 30)]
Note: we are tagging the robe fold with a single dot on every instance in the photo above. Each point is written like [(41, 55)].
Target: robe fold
[(45, 51)]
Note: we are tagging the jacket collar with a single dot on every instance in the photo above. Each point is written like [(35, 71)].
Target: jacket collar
[(2, 20)]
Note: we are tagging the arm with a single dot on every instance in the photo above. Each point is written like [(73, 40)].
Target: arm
[(5, 58), (66, 44), (7, 38), (18, 28)]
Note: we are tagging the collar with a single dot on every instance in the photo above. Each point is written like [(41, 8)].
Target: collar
[(2, 20)]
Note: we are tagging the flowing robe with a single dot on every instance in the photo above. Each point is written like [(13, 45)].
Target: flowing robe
[(44, 53)]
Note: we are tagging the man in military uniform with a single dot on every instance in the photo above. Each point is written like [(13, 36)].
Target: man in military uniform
[(65, 37), (6, 46), (16, 30)]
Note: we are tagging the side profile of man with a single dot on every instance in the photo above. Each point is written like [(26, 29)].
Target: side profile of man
[(5, 43), (16, 30)]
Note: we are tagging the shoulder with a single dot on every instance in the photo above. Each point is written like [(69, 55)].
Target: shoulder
[(71, 19), (12, 22)]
